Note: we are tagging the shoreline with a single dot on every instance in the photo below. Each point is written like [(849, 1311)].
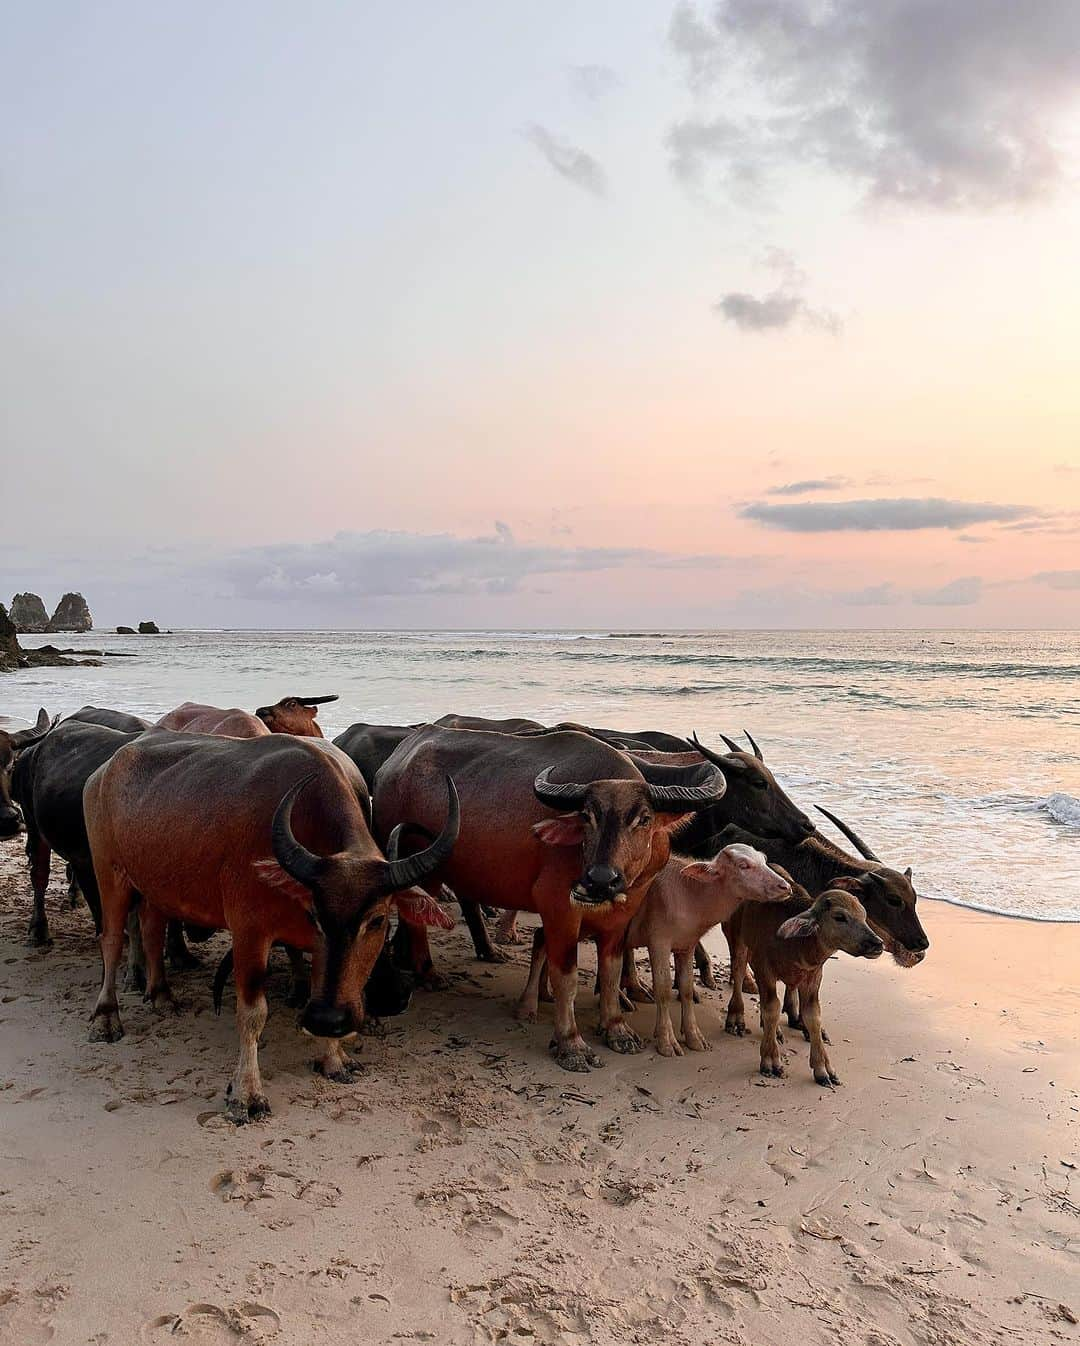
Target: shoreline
[(468, 1190)]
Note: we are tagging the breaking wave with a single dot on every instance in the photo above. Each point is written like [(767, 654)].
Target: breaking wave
[(1062, 808)]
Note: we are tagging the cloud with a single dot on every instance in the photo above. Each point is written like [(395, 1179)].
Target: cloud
[(382, 564), (870, 516), (1058, 579), (780, 307), (593, 82), (958, 593), (874, 595), (811, 485), (953, 105), (571, 163)]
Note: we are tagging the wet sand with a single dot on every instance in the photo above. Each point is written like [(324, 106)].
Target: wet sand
[(467, 1190)]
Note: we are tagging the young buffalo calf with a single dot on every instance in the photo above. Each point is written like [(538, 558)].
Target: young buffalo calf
[(687, 899), (791, 942)]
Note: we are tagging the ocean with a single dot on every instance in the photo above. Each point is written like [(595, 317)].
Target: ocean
[(957, 752)]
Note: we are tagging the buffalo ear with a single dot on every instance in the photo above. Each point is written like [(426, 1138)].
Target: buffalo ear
[(418, 908), (269, 871), (796, 926), (848, 883), (907, 873), (701, 871), (566, 830)]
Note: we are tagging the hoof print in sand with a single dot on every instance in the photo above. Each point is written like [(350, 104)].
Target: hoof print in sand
[(214, 1323)]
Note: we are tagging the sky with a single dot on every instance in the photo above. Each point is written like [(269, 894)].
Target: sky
[(752, 313)]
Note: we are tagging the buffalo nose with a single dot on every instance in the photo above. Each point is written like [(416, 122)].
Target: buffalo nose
[(10, 820), (327, 1021), (919, 945), (872, 947), (602, 876)]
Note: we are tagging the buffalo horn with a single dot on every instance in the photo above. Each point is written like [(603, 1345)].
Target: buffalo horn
[(731, 743), (296, 860), (717, 759), (413, 868), (757, 750), (568, 796), (671, 790), (860, 845), (24, 738), (316, 700)]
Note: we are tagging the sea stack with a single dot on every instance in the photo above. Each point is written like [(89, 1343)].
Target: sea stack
[(28, 615), (10, 654), (149, 629), (71, 614)]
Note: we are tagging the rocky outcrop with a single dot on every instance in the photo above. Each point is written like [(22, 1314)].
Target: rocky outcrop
[(28, 614), (125, 630), (71, 614), (149, 629), (10, 654)]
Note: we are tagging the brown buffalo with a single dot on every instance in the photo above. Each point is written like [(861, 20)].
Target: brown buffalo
[(581, 850), (266, 838), (195, 718), (294, 715)]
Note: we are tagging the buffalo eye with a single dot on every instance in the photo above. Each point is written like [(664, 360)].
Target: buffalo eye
[(376, 923), (894, 901), (841, 918), (760, 785)]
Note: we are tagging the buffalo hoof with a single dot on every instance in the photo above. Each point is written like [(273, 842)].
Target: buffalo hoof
[(779, 1037), (37, 936), (494, 955), (772, 1068), (621, 1037), (698, 1042), (525, 1014), (827, 1079), (181, 959), (372, 1027), (105, 1026), (254, 1109), (708, 979), (135, 980), (749, 985), (576, 1056), (736, 1026), (640, 995), (344, 1072), (164, 1004), (625, 1003), (431, 980), (669, 1046)]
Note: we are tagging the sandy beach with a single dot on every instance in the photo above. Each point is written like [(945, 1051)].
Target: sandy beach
[(466, 1190)]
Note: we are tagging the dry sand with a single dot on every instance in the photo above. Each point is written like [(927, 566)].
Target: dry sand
[(467, 1190)]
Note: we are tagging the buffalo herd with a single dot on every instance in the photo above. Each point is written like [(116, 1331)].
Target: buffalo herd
[(345, 853)]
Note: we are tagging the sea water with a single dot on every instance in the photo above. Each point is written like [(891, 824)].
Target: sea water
[(957, 753)]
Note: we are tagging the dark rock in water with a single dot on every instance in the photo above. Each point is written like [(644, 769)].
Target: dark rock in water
[(149, 629), (71, 614), (125, 630), (29, 615), (10, 654)]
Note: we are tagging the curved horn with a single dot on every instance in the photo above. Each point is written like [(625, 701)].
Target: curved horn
[(404, 873), (25, 738), (316, 700), (675, 789), (731, 743), (757, 751), (568, 796), (860, 845), (296, 860), (717, 759)]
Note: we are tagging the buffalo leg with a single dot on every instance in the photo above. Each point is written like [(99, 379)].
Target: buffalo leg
[(85, 881), (152, 921), (660, 957), (117, 897), (181, 959), (528, 1007), (39, 855), (485, 950), (771, 1064), (74, 890), (636, 991), (705, 967), (412, 951), (333, 1063), (245, 1100), (506, 930), (136, 969), (819, 1058), (618, 1034), (749, 985), (735, 1023), (571, 1050), (694, 1038)]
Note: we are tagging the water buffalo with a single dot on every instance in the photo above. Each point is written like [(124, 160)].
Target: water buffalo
[(513, 725), (111, 719), (581, 850), (13, 743), (294, 715), (194, 718), (369, 745), (267, 838)]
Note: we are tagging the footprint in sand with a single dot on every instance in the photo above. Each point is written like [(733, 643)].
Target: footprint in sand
[(262, 1184), (212, 1323)]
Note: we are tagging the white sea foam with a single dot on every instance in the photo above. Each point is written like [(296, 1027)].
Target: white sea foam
[(1063, 809)]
